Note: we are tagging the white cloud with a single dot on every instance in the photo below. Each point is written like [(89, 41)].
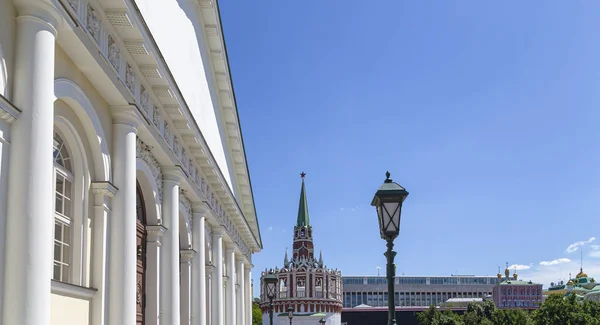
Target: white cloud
[(270, 228), (595, 247), (555, 262), (595, 253), (575, 246), (519, 267), (558, 272)]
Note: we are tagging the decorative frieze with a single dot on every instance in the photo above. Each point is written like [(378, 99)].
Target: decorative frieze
[(208, 239), (143, 152), (167, 134), (93, 23), (130, 78), (187, 208), (156, 118), (144, 99), (114, 53), (177, 148), (74, 4)]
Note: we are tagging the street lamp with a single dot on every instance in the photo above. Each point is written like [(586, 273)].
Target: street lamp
[(322, 321), (388, 201), (290, 313), (271, 283)]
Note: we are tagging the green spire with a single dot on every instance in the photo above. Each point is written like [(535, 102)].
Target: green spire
[(303, 219)]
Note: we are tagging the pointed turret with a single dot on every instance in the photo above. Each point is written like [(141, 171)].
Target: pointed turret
[(303, 250), (320, 258), (286, 262), (303, 219)]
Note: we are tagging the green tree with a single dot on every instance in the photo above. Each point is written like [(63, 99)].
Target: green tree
[(556, 310), (256, 314), (429, 316)]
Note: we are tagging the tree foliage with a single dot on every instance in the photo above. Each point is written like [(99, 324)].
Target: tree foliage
[(256, 314), (556, 310)]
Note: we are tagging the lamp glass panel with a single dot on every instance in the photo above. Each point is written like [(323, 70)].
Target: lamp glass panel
[(391, 216), (270, 289), (380, 216)]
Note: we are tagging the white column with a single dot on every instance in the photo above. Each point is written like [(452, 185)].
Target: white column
[(217, 294), (248, 292), (122, 245), (186, 285), (4, 151), (152, 273), (170, 249), (209, 293), (199, 266), (102, 191), (241, 297), (29, 217), (230, 296)]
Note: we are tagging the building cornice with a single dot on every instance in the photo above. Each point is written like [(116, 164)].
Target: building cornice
[(241, 169)]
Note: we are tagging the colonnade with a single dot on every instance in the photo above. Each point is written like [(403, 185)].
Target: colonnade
[(182, 285)]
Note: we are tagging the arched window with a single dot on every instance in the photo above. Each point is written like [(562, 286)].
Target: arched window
[(63, 209), (3, 75), (139, 205)]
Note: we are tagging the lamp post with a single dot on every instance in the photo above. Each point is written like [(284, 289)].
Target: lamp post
[(388, 201), (322, 321), (290, 313), (271, 283)]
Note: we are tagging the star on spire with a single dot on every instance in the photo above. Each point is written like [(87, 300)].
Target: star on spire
[(302, 175)]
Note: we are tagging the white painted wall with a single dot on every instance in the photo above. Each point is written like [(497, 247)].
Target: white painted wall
[(179, 34), (69, 311)]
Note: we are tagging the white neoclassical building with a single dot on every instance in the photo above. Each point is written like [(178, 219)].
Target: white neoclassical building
[(125, 196)]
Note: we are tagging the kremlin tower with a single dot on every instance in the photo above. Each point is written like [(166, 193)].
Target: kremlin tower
[(304, 283)]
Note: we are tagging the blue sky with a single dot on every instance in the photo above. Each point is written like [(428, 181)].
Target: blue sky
[(487, 112)]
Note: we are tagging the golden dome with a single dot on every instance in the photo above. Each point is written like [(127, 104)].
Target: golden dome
[(499, 275), (515, 275), (507, 272), (581, 274), (570, 283)]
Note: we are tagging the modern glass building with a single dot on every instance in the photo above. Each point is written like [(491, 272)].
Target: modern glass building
[(414, 291)]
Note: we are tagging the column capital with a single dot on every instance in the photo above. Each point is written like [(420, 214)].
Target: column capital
[(155, 233), (126, 115), (104, 188), (43, 11), (230, 250), (200, 208), (218, 231), (187, 255), (172, 174), (209, 269)]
